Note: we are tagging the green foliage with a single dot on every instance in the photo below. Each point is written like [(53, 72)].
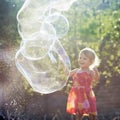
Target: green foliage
[(110, 53)]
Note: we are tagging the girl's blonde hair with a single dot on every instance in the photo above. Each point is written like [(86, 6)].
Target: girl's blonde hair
[(90, 53)]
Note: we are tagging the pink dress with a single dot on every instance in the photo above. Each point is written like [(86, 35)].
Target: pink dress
[(81, 99)]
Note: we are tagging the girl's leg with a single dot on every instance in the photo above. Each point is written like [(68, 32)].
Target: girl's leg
[(93, 117), (78, 117)]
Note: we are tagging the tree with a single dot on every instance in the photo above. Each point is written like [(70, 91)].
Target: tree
[(110, 54)]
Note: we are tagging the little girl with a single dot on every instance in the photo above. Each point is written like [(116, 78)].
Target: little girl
[(81, 99)]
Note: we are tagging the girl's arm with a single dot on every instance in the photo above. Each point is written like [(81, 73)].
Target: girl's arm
[(95, 74), (72, 72)]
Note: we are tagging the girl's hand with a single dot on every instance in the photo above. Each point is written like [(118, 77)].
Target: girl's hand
[(66, 71), (70, 73)]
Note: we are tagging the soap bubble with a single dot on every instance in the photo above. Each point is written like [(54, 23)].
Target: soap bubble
[(47, 74), (48, 28), (60, 23), (33, 13), (62, 5), (37, 47), (41, 59)]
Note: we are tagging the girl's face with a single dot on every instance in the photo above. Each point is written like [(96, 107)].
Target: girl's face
[(84, 61)]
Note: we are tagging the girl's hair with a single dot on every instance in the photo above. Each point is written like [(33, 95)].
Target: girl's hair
[(90, 53)]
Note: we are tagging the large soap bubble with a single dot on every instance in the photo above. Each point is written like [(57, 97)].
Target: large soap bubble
[(47, 74), (41, 59)]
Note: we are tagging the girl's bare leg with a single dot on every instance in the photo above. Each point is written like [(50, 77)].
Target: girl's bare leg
[(93, 117), (78, 117)]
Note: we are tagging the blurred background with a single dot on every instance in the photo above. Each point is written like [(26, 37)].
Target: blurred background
[(93, 23)]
